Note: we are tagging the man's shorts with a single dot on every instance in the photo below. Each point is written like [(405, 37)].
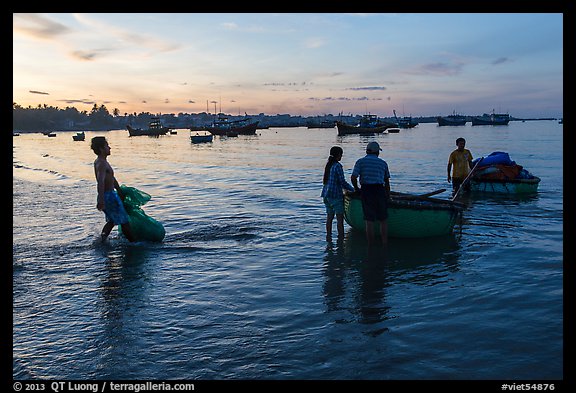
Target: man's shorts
[(374, 202), (334, 205), (114, 208), (456, 182)]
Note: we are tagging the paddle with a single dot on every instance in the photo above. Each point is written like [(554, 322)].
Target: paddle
[(426, 197), (467, 178), (429, 194)]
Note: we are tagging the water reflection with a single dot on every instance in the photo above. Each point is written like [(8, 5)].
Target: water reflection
[(356, 284), (124, 291), (357, 276)]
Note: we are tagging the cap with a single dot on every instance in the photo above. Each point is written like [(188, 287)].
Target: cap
[(373, 147)]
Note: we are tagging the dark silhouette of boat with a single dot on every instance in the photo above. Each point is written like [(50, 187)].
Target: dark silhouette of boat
[(200, 138), (369, 124), (155, 128), (321, 124), (405, 121), (451, 120), (224, 126), (493, 119)]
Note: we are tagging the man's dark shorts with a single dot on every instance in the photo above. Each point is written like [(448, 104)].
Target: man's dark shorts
[(374, 202), (456, 182)]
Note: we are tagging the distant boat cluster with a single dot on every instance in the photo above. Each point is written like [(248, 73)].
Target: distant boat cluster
[(493, 119), (371, 124), (367, 124), (221, 126)]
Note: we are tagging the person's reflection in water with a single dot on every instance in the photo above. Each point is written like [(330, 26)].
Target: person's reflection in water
[(357, 276), (355, 281), (373, 281), (334, 273), (123, 290)]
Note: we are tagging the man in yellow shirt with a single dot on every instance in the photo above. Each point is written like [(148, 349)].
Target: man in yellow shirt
[(460, 161)]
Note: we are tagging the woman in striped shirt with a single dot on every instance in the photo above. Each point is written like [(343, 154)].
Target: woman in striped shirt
[(334, 181)]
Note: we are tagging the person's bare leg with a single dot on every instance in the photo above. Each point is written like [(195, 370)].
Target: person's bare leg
[(329, 219), (384, 231), (369, 232), (106, 230), (127, 231), (340, 225)]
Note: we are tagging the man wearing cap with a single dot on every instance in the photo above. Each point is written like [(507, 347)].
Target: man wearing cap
[(375, 182)]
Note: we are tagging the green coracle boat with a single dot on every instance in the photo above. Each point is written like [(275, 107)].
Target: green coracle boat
[(408, 215), (510, 186)]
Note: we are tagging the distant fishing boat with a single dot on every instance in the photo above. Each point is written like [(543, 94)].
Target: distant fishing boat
[(409, 215), (493, 119), (321, 124), (197, 137), (49, 133), (369, 124), (224, 126), (155, 128), (404, 121), (451, 120), (79, 136)]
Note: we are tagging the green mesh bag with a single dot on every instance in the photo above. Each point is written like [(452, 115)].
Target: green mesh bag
[(144, 228)]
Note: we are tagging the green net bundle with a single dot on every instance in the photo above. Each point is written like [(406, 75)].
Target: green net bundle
[(144, 227)]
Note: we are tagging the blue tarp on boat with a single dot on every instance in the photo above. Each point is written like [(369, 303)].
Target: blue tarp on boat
[(496, 158)]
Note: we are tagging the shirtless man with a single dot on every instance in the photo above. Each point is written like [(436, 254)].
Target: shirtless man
[(109, 200)]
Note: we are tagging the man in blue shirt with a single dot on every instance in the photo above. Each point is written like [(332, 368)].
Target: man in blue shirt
[(375, 190)]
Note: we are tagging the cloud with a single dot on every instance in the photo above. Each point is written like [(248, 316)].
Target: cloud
[(281, 83), (91, 31), (363, 98), (233, 26), (100, 28), (438, 69), (38, 92), (85, 55), (367, 88), (37, 26), (314, 42), (76, 101), (230, 25), (501, 60)]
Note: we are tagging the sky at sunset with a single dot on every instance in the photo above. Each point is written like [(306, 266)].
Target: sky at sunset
[(298, 64)]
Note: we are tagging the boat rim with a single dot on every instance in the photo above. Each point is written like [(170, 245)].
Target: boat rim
[(533, 180)]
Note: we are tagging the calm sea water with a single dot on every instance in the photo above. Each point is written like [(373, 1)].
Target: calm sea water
[(245, 285)]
